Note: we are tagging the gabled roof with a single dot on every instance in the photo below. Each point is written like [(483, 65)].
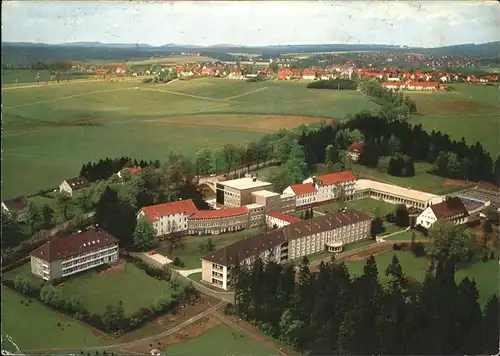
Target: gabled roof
[(284, 217), (16, 204), (155, 212), (222, 213), (335, 178), (306, 188), (255, 245), (92, 239), (450, 207), (78, 183)]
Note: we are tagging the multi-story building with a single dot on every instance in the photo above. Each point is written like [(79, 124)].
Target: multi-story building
[(394, 194), (451, 209), (73, 185), (305, 194), (169, 218), (270, 200), (72, 254), (238, 192), (331, 186), (329, 232), (288, 203), (276, 220), (354, 151), (256, 215), (209, 222)]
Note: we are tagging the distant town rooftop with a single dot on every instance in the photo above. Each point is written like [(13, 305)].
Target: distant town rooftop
[(397, 190), (245, 183), (265, 193)]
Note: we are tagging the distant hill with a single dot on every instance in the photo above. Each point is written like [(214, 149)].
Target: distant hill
[(26, 53)]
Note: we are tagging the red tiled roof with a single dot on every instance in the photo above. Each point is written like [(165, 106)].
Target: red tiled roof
[(92, 239), (222, 213), (300, 189), (334, 178), (284, 217), (309, 72), (385, 84), (423, 84), (154, 212), (135, 170), (355, 147)]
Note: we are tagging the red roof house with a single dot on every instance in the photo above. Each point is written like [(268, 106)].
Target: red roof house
[(222, 213), (335, 178), (356, 147), (284, 217), (155, 212), (300, 189)]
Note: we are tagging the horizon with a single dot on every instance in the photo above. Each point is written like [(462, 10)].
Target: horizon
[(398, 23)]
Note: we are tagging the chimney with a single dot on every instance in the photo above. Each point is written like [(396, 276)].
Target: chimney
[(254, 179)]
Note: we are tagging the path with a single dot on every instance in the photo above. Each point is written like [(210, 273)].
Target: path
[(248, 93), (189, 95), (188, 272), (67, 97), (382, 238), (318, 212)]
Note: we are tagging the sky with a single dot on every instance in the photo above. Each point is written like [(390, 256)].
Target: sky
[(411, 23)]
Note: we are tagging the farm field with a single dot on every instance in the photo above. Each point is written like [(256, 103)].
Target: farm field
[(190, 255), (96, 289), (17, 318), (471, 111), (221, 340), (65, 126), (485, 274)]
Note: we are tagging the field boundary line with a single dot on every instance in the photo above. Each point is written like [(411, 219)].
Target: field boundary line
[(189, 95), (77, 81), (250, 92), (65, 97)]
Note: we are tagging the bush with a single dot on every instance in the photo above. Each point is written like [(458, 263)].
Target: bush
[(418, 249), (177, 261), (396, 247), (147, 80)]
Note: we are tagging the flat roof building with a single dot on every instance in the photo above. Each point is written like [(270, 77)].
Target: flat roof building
[(238, 192)]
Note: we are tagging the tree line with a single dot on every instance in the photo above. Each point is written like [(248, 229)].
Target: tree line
[(105, 168), (334, 84), (394, 105), (331, 312)]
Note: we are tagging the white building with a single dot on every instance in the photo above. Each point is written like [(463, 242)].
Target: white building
[(331, 186), (70, 186), (452, 209), (238, 192), (305, 194), (170, 217), (328, 232), (72, 254), (16, 208), (276, 220), (394, 194)]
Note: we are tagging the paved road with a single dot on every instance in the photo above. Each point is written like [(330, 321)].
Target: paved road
[(188, 272)]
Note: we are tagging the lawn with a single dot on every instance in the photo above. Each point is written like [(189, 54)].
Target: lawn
[(96, 291), (35, 326), (29, 76), (221, 340), (66, 126), (190, 255), (485, 274), (471, 111), (367, 206), (406, 236), (420, 181)]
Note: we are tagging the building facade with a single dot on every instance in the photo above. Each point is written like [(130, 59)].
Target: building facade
[(332, 186), (276, 220), (238, 192), (270, 200), (16, 208), (169, 218), (305, 194), (394, 194), (328, 232), (288, 203), (70, 186), (213, 222), (72, 254), (452, 210)]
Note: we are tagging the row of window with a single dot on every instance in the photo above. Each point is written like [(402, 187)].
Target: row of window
[(88, 255), (89, 259)]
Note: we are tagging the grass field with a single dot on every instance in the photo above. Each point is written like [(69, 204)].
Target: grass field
[(190, 255), (221, 340), (18, 319), (29, 76), (485, 274), (471, 111), (65, 126), (368, 206), (96, 291)]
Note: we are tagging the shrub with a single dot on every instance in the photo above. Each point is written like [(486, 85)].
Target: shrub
[(177, 261), (147, 80), (418, 249), (396, 247), (334, 84)]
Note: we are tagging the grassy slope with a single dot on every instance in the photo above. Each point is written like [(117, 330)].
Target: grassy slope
[(35, 326), (222, 340), (472, 111), (486, 274)]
